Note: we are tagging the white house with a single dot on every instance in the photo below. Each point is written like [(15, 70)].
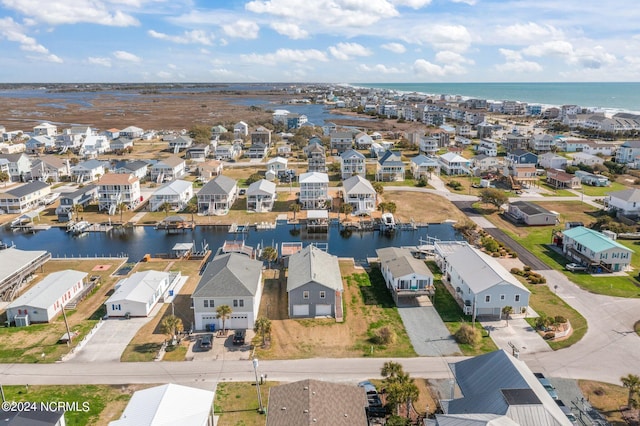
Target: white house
[(131, 132), (627, 201), (405, 275), (277, 164), (20, 199), (454, 164), (230, 279), (314, 190), (595, 250), (424, 166), (139, 293), (19, 166), (240, 129), (116, 188), (42, 302), (87, 171), (260, 196), (586, 159), (352, 163), (359, 192), (168, 404), (363, 141), (138, 168), (170, 168), (549, 160), (45, 129), (389, 167), (480, 284), (180, 143), (94, 145), (177, 193)]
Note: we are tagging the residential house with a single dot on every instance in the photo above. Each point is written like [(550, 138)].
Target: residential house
[(45, 129), (531, 214), (560, 179), (626, 201), (24, 198), (336, 404), (112, 133), (606, 149), (156, 406), (261, 195), (480, 284), (228, 151), (138, 168), (94, 145), (210, 169), (522, 174), (177, 193), (423, 166), (541, 143), (199, 152), (515, 141), (454, 164), (314, 190), (180, 143), (217, 196), (138, 294), (230, 279), (257, 151), (428, 145), (316, 157), (45, 300), (217, 130), (277, 164), (116, 188), (314, 284), (261, 136), (328, 128), (88, 171), (50, 167), (240, 130), (592, 179), (629, 153), (520, 156), (39, 416), (19, 166), (121, 144), (170, 168), (12, 148), (595, 250), (549, 160), (484, 163), (363, 141), (40, 144), (405, 276), (587, 159), (283, 149), (498, 389), (570, 145), (82, 197), (487, 147), (359, 192), (73, 137), (352, 163), (389, 167), (131, 132), (341, 142)]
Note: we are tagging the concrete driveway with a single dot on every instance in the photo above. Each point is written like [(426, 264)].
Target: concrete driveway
[(222, 348), (518, 333), (428, 334)]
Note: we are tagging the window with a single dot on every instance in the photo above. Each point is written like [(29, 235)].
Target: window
[(115, 307), (323, 294), (487, 299), (235, 303), (502, 297), (517, 298), (238, 303), (305, 294), (206, 303)]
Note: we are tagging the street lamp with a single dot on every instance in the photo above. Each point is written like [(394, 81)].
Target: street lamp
[(255, 370)]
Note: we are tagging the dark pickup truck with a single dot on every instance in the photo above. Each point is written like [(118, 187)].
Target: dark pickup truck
[(238, 337)]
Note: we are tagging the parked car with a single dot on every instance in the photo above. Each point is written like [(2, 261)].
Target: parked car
[(238, 337), (547, 385), (243, 191), (206, 341), (567, 412), (573, 267), (374, 407)]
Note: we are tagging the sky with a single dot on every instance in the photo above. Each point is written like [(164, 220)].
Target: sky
[(332, 41)]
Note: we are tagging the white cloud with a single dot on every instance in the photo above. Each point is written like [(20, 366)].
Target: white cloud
[(51, 58), (550, 48), (242, 29), (380, 69), (447, 56), (345, 51), (12, 31), (527, 33), (165, 75), (516, 63), (188, 37), (126, 56), (105, 62), (290, 30), (422, 67), (57, 12), (441, 36), (594, 57), (222, 72), (469, 2), (415, 4), (326, 13), (286, 55), (394, 47)]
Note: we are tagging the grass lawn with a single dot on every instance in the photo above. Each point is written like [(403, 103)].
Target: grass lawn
[(97, 404), (601, 191), (553, 192), (606, 398), (237, 403)]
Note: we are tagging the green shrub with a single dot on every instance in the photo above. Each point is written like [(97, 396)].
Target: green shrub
[(469, 335), (549, 335), (384, 336), (516, 271), (527, 268), (559, 319)]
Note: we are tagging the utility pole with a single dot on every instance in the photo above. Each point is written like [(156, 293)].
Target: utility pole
[(255, 370), (66, 323)]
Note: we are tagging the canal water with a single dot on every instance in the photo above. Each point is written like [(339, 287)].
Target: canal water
[(135, 242)]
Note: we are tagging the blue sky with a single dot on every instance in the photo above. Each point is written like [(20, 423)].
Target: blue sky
[(337, 41)]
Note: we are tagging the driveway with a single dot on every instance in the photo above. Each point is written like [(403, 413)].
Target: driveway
[(518, 333), (222, 348), (427, 332)]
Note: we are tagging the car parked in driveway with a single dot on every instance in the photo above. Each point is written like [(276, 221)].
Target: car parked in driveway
[(238, 337), (551, 390), (206, 341), (573, 267), (374, 402)]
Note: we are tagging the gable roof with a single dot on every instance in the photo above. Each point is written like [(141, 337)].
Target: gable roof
[(529, 208), (230, 275), (423, 159), (313, 177), (594, 240), (177, 186), (309, 402), (358, 185), (171, 161), (351, 153), (50, 289), (391, 158), (452, 157), (401, 262), (314, 265), (117, 179), (628, 195), (89, 164), (139, 287), (221, 185), (27, 188), (261, 186)]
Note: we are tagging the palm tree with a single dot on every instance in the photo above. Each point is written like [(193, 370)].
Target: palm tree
[(165, 207), (631, 382), (4, 178), (346, 208), (269, 254), (295, 208), (379, 188), (391, 207), (171, 325), (77, 209), (191, 207), (390, 370), (223, 312), (121, 208), (262, 327), (507, 311)]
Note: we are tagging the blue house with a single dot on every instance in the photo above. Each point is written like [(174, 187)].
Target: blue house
[(520, 156)]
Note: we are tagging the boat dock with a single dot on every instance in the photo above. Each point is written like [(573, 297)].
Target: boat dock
[(238, 229)]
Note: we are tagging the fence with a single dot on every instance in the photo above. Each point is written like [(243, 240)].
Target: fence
[(83, 342)]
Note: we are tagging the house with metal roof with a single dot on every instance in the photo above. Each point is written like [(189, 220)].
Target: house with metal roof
[(217, 196), (88, 171), (138, 168), (314, 190), (480, 285), (231, 279), (45, 300), (498, 390), (168, 404), (352, 163), (177, 193), (261, 195), (595, 250), (359, 192), (626, 201), (314, 284), (424, 166), (454, 164), (317, 402), (16, 266), (25, 197), (170, 168), (531, 214), (405, 275), (389, 167), (138, 294)]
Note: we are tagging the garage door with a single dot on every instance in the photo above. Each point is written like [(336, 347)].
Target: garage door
[(300, 310), (323, 310), (237, 321)]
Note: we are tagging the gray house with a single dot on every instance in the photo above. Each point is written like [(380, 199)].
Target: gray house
[(314, 284), (217, 196), (82, 196)]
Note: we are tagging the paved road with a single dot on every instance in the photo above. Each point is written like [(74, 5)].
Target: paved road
[(524, 255)]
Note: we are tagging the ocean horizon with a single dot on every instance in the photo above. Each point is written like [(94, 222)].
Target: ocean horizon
[(610, 97)]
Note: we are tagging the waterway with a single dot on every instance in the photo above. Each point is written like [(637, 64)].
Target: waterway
[(135, 242)]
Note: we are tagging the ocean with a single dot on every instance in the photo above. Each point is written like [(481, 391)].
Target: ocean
[(599, 96)]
